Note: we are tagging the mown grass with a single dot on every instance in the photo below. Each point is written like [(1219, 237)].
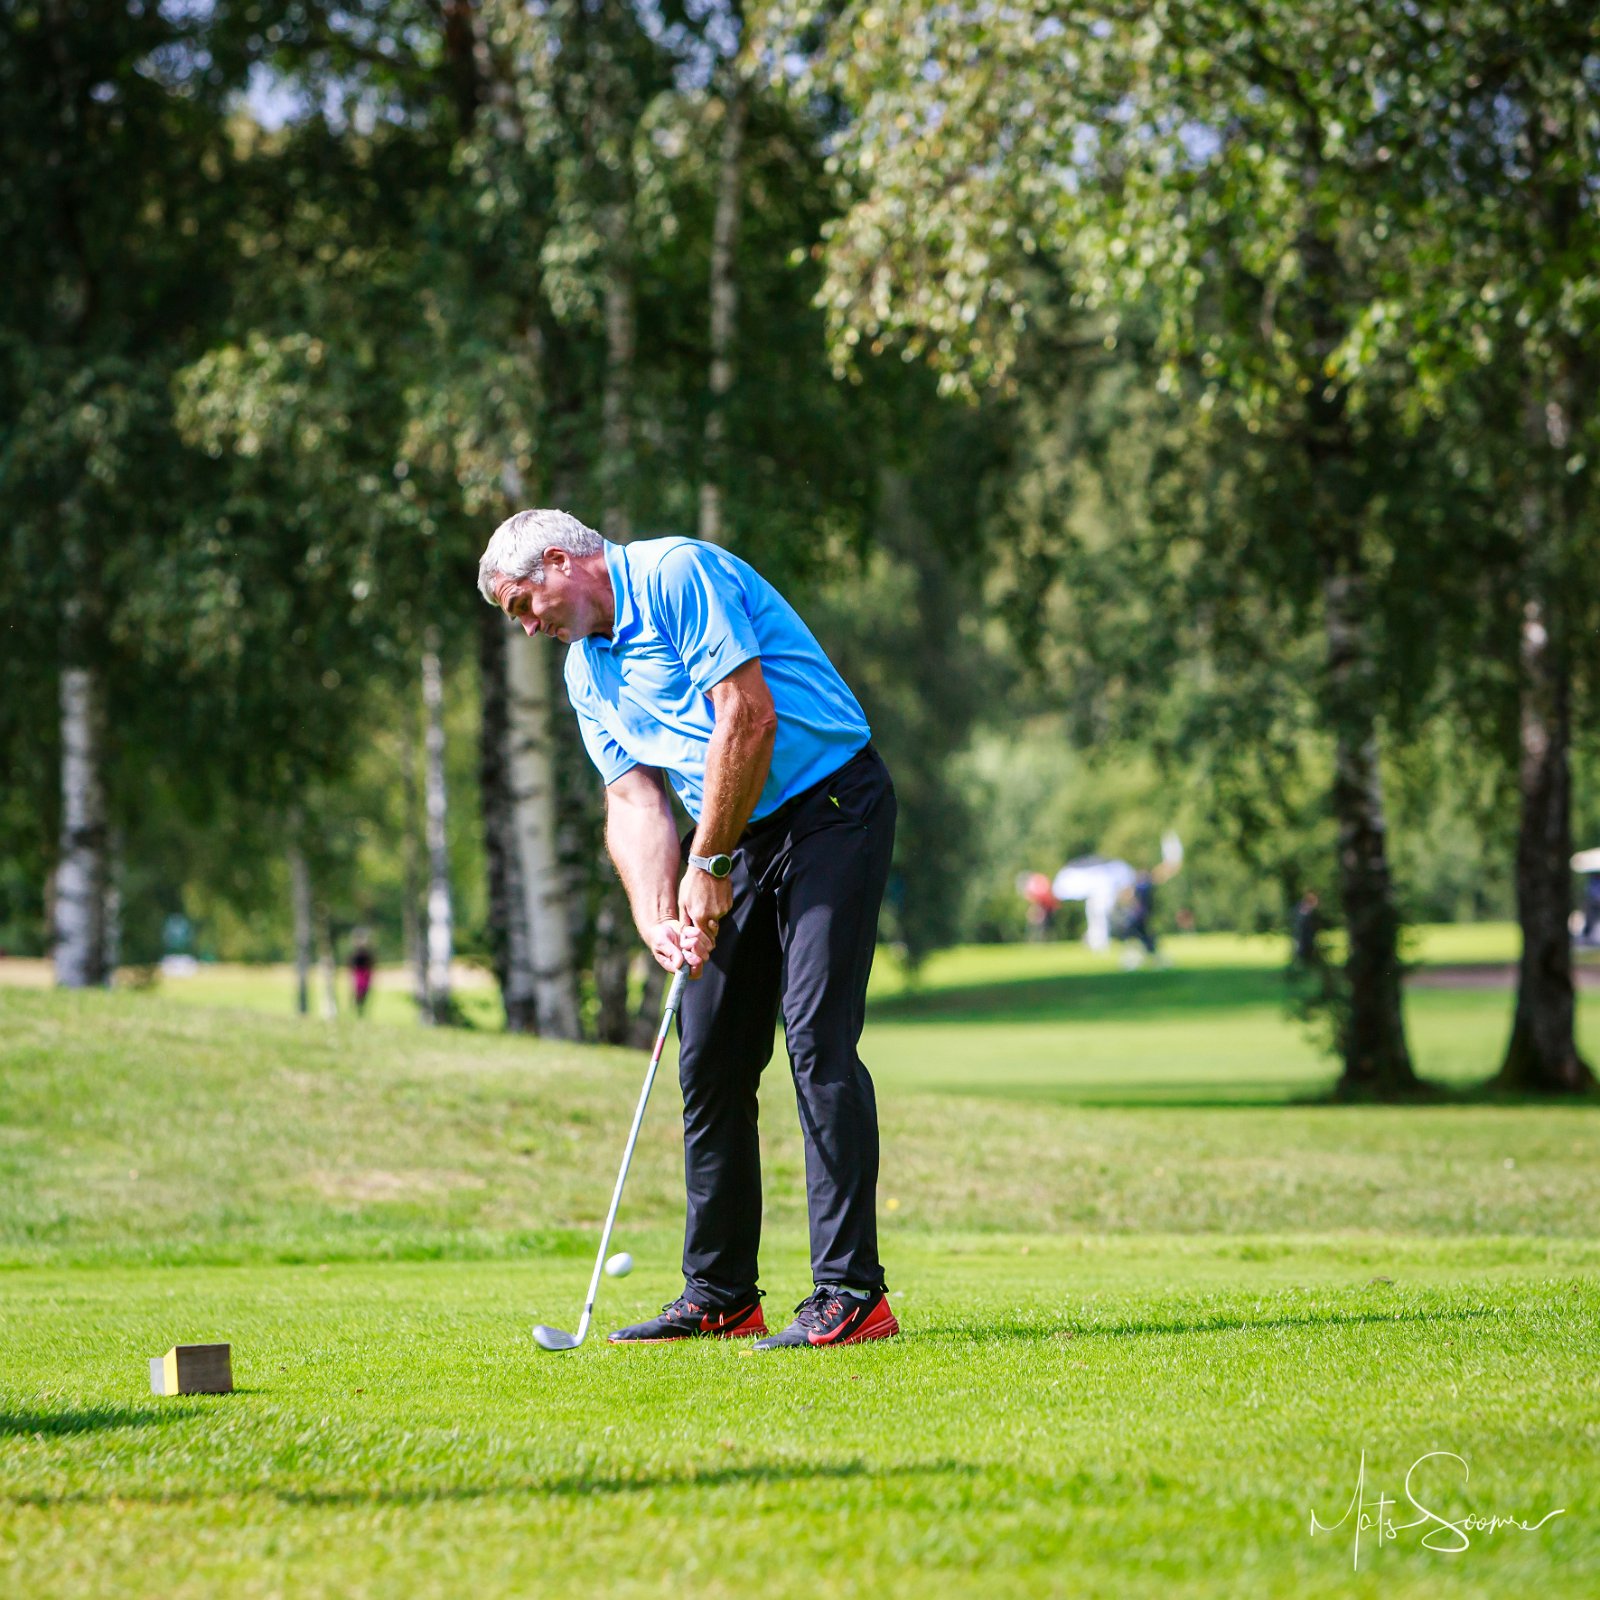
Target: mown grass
[(1073, 1420), (1155, 1310), (139, 1131)]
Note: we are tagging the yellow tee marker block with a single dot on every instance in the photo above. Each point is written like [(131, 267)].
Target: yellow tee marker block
[(193, 1369)]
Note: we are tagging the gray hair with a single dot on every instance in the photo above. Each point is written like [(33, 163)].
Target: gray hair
[(516, 548)]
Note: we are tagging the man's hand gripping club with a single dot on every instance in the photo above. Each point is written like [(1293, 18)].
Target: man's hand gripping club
[(679, 922)]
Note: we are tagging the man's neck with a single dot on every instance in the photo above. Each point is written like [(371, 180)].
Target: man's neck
[(605, 596)]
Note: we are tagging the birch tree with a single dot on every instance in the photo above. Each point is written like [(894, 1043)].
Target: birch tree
[(439, 927), (80, 881), (1194, 159), (724, 302), (1494, 314), (114, 128), (301, 912), (509, 945), (533, 785)]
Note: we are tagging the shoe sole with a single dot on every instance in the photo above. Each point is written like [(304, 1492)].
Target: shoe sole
[(689, 1338), (887, 1328)]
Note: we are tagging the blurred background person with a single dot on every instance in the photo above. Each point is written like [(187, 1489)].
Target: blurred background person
[(362, 965)]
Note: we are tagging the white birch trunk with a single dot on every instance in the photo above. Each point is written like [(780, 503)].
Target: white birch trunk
[(612, 949), (416, 952), (498, 640), (533, 786), (300, 901), (616, 404), (330, 966), (80, 887), (440, 934), (724, 307)]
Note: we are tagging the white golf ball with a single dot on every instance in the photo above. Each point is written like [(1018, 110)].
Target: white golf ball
[(619, 1265)]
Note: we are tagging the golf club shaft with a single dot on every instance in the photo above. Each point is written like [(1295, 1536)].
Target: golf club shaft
[(674, 996)]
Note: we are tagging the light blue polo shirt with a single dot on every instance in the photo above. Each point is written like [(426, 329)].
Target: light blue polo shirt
[(687, 614)]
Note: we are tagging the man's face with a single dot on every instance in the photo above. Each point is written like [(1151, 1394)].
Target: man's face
[(561, 606)]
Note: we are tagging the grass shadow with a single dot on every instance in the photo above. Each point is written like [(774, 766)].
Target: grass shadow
[(1433, 1093), (1238, 1324), (571, 1485), (579, 1484), (1150, 1096), (90, 1419), (1220, 1322), (1091, 997), (1429, 1094)]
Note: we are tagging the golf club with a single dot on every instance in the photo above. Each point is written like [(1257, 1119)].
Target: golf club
[(555, 1338)]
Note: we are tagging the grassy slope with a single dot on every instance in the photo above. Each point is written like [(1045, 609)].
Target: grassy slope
[(1144, 1336), (141, 1131)]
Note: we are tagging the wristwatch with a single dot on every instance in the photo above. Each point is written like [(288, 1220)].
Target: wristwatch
[(717, 866)]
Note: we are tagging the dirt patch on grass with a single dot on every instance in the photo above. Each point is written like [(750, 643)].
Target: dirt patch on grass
[(370, 1185)]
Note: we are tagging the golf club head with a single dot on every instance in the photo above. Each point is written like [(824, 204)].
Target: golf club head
[(553, 1339)]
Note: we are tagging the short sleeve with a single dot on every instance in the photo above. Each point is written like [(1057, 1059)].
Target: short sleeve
[(700, 609), (609, 758)]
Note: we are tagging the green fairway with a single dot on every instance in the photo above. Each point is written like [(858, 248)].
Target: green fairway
[(1155, 1309), (1079, 1419)]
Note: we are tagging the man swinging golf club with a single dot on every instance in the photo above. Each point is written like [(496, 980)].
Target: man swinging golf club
[(686, 667)]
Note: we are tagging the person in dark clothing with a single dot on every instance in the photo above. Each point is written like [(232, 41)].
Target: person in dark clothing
[(362, 966), (688, 669), (1142, 901), (1306, 928)]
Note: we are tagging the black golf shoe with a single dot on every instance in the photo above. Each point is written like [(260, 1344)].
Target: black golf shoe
[(683, 1319), (830, 1316)]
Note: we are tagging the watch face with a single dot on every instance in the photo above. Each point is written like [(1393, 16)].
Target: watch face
[(721, 866)]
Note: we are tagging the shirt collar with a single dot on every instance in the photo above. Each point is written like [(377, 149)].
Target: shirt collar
[(625, 613)]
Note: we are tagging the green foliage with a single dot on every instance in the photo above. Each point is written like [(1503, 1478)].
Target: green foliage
[(115, 223), (264, 388)]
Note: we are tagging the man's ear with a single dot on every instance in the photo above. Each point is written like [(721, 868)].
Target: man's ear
[(558, 558)]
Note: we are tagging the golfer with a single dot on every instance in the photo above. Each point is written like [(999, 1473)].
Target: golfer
[(687, 668)]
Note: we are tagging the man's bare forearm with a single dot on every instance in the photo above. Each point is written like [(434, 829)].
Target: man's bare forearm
[(644, 846), (737, 760)]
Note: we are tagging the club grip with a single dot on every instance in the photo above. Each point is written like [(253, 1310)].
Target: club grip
[(675, 990)]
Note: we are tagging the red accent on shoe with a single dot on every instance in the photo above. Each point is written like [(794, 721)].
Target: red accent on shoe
[(879, 1324), (741, 1325)]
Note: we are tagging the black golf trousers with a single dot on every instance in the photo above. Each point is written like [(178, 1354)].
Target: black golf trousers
[(797, 942)]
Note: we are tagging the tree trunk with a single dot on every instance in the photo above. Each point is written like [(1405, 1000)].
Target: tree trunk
[(115, 846), (300, 902), (614, 923), (616, 404), (441, 1005), (508, 925), (1542, 1056), (533, 786), (647, 1019), (1371, 1022), (614, 939), (724, 307), (1372, 1040), (330, 964), (416, 953), (80, 898)]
